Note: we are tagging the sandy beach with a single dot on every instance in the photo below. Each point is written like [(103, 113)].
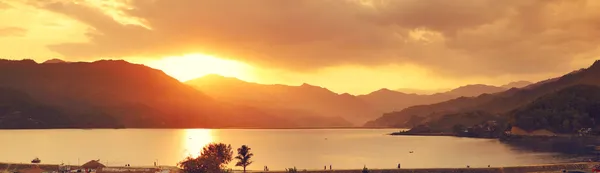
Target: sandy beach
[(586, 166)]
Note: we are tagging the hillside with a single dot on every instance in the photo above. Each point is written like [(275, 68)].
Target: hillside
[(305, 99), (94, 94), (564, 111), (19, 110), (499, 103), (517, 84), (385, 100), (421, 91), (474, 90)]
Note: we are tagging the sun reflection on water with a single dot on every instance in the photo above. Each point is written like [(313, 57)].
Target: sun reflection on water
[(195, 140)]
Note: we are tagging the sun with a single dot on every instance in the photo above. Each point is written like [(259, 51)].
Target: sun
[(191, 66)]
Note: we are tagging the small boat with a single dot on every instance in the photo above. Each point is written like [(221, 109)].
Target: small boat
[(36, 160)]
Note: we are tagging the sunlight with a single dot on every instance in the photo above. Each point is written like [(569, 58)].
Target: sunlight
[(195, 140), (191, 66)]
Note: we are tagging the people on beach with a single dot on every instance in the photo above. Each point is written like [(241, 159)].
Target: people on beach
[(398, 165), (468, 166), (329, 167), (325, 167)]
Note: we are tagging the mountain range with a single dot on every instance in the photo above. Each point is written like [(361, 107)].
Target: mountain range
[(500, 104), (307, 99), (114, 94), (119, 94)]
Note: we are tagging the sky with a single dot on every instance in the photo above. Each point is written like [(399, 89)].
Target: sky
[(354, 46)]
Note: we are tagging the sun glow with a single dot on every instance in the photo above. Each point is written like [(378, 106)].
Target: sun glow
[(191, 66), (195, 140)]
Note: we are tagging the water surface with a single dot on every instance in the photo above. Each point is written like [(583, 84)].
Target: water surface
[(277, 149)]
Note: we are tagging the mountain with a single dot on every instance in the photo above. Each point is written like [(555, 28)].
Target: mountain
[(420, 91), (564, 111), (109, 93), (498, 103), (305, 99), (19, 110), (474, 90), (385, 100), (54, 61), (517, 84)]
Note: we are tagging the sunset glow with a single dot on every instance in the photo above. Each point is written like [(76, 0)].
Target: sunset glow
[(195, 139), (192, 66)]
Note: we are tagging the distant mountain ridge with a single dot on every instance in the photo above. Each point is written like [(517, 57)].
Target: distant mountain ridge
[(54, 61), (385, 100), (421, 91), (517, 84), (498, 103), (115, 94), (474, 90), (321, 101), (304, 98)]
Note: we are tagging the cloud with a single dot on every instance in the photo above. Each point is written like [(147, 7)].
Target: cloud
[(4, 6), (12, 32), (470, 37)]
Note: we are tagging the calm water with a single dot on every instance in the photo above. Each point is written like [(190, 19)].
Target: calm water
[(278, 149)]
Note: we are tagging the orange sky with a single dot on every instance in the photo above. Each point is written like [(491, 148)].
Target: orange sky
[(354, 46)]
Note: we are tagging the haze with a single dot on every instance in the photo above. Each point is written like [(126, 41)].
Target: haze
[(348, 46)]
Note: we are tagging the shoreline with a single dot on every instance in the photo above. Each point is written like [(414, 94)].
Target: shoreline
[(220, 128), (586, 166), (422, 134)]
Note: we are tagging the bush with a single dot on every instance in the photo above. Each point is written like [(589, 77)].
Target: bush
[(213, 159)]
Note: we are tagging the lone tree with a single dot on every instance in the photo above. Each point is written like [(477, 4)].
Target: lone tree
[(244, 156), (213, 159)]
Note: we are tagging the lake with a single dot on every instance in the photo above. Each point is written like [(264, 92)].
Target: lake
[(278, 149)]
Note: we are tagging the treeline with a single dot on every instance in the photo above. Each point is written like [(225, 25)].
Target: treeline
[(575, 109), (18, 110), (567, 111)]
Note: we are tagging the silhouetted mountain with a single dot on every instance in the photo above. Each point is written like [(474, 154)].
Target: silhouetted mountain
[(499, 103), (474, 90), (517, 84), (19, 110), (95, 94), (421, 92), (54, 61), (565, 111), (304, 98), (385, 100)]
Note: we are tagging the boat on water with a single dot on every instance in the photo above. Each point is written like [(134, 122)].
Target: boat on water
[(36, 160)]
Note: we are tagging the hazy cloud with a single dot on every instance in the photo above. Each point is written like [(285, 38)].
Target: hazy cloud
[(484, 37), (4, 6), (12, 32)]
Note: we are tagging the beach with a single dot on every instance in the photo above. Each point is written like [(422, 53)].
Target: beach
[(586, 166)]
